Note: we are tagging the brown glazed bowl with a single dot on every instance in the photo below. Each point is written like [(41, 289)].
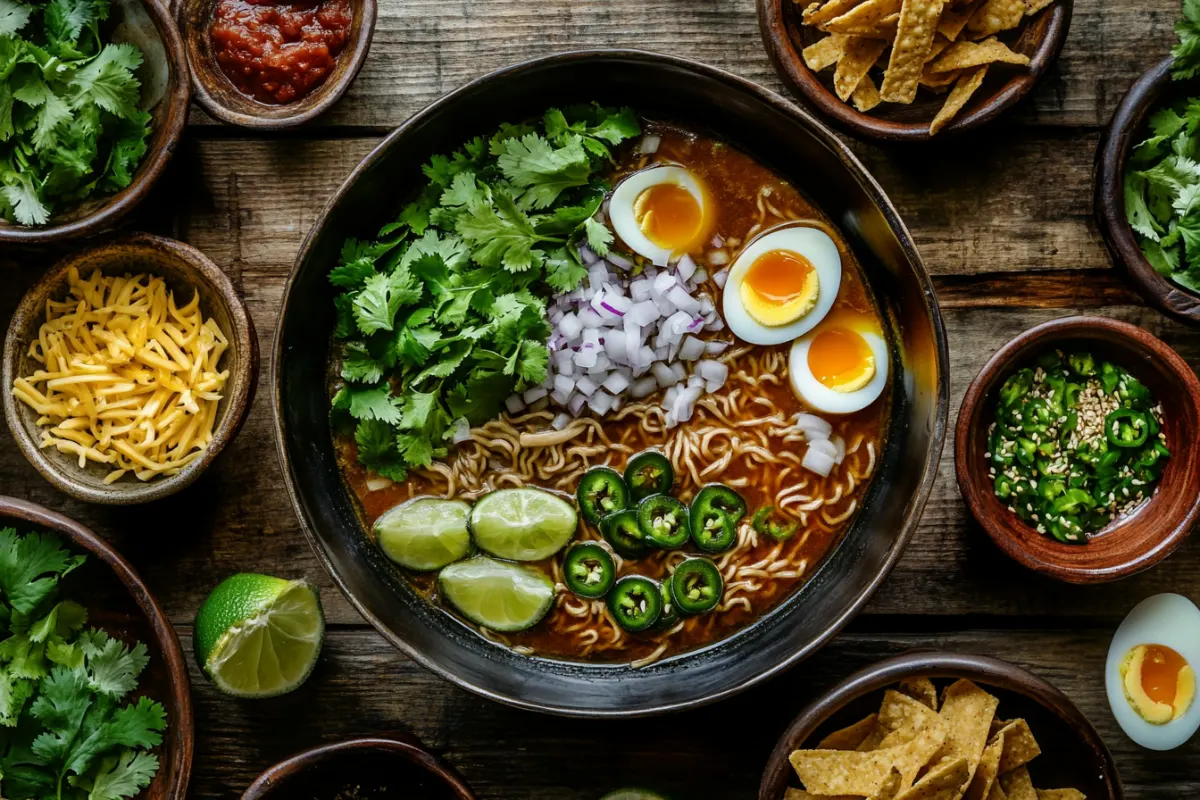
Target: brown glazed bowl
[(166, 95), (220, 98), (1123, 132), (1129, 545), (1041, 38), (185, 269), (118, 602), (400, 763), (781, 137), (1073, 754)]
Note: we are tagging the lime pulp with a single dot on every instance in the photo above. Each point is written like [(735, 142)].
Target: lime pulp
[(523, 524), (497, 595), (426, 533)]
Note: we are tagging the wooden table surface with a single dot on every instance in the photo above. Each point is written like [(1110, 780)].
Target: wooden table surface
[(1004, 221)]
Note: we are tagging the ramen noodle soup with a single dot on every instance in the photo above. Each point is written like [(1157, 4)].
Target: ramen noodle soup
[(725, 360)]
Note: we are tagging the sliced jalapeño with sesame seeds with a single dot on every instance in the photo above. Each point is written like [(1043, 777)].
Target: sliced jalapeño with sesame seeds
[(621, 531), (1126, 427), (663, 521), (648, 473), (697, 586), (715, 513), (635, 603), (588, 570), (670, 611), (601, 492)]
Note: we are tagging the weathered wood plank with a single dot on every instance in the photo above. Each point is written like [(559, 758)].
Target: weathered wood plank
[(364, 687), (425, 48)]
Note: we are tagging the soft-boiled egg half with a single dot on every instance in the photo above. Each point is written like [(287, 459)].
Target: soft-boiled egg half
[(782, 284), (1151, 672), (662, 213), (842, 365)]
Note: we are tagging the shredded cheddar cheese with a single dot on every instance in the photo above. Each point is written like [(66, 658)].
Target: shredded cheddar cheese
[(127, 379)]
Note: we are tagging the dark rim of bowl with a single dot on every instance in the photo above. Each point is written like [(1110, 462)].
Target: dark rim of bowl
[(178, 98), (168, 641), (805, 84), (916, 503), (407, 748), (1112, 156), (975, 400), (937, 664)]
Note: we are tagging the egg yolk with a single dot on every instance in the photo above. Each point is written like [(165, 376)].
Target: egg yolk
[(1159, 683), (779, 287), (670, 216), (841, 359)]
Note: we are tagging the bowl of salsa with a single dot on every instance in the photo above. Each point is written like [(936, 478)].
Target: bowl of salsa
[(273, 64)]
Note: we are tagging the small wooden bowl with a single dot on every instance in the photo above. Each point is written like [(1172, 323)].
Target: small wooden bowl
[(1122, 133), (133, 21), (1041, 38), (1129, 545), (1073, 754), (184, 269), (118, 602), (367, 763), (220, 98)]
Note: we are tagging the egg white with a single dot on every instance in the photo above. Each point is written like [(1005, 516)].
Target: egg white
[(624, 221), (821, 397), (811, 243), (1170, 620)]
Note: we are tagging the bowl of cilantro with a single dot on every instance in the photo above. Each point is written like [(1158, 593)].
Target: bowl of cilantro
[(83, 142), (96, 701), (1147, 181)]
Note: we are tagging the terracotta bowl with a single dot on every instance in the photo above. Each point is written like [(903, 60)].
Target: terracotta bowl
[(1134, 543), (1073, 754), (166, 93), (119, 603), (220, 98), (184, 269), (1040, 37), (1126, 130), (400, 764)]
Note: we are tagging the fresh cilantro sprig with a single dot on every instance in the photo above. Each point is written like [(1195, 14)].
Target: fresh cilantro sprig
[(64, 732), (444, 316), (70, 122)]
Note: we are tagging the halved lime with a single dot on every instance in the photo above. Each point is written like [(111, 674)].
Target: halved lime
[(632, 794), (258, 636), (425, 533), (496, 595), (523, 524)]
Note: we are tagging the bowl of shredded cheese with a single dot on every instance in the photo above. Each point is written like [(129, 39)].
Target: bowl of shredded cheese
[(127, 369)]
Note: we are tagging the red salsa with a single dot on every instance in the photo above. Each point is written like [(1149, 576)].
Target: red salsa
[(279, 52)]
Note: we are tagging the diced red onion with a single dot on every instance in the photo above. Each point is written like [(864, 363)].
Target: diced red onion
[(586, 386), (533, 395), (615, 383), (514, 404), (712, 370), (715, 348), (600, 403), (691, 349), (576, 403), (813, 426), (686, 268), (460, 431), (619, 261), (720, 278), (817, 461), (560, 422), (649, 144), (643, 387), (718, 258), (840, 444)]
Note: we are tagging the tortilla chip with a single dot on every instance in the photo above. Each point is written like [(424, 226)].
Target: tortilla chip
[(883, 29), (820, 13), (940, 43), (939, 81), (987, 771), (1018, 786), (955, 19), (959, 96), (1034, 6), (914, 38), (995, 16), (1060, 794), (825, 53), (967, 55), (1019, 746), (996, 793), (921, 689), (902, 712), (866, 95), (851, 737), (852, 67), (825, 772), (944, 782), (866, 15)]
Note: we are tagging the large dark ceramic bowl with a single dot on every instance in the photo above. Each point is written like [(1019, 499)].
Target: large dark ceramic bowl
[(782, 137)]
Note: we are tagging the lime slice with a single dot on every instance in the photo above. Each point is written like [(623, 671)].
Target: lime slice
[(522, 524), (258, 636), (426, 533), (632, 794), (496, 595)]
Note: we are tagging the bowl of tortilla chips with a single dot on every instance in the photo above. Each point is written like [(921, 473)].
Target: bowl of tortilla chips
[(910, 70), (941, 726)]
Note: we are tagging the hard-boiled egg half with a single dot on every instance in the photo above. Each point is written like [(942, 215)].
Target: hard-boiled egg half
[(662, 213), (782, 284), (1151, 672), (842, 365)]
